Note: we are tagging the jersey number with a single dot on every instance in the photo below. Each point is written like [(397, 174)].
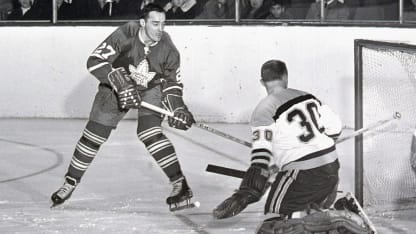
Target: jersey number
[(312, 111), (104, 51), (268, 135)]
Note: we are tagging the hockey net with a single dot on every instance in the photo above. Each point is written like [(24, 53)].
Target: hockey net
[(385, 84)]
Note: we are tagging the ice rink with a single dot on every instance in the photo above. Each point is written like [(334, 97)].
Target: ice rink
[(124, 191)]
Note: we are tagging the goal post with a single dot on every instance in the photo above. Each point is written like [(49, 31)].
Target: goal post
[(385, 83)]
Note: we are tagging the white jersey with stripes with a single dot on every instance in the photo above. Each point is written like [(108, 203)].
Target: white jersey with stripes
[(290, 124)]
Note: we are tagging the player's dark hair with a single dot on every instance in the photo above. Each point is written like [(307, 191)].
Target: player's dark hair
[(273, 70), (149, 8)]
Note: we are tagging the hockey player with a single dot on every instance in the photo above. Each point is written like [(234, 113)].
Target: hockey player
[(298, 132), (138, 61)]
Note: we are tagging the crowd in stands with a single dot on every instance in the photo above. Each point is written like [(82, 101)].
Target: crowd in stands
[(208, 9)]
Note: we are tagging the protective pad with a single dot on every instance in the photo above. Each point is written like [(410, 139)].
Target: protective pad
[(332, 221)]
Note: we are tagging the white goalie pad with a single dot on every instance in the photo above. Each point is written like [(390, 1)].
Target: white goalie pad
[(330, 221)]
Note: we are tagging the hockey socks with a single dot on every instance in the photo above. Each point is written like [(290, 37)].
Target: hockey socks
[(93, 136)]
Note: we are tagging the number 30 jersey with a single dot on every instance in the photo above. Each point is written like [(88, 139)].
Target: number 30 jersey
[(295, 129)]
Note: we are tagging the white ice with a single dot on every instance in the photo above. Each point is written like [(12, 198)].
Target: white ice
[(124, 191)]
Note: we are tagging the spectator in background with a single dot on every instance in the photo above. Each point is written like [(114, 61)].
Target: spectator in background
[(181, 9), (103, 9), (334, 9), (69, 9), (375, 9), (138, 5), (134, 8), (278, 10), (31, 10), (218, 9), (409, 10), (6, 7), (255, 9), (24, 11)]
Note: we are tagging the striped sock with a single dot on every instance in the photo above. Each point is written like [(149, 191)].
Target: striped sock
[(86, 149), (162, 150)]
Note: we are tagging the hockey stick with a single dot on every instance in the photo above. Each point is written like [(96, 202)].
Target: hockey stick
[(238, 173), (234, 172), (199, 125), (372, 126)]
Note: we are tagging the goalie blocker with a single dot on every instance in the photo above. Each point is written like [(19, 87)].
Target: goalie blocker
[(172, 100)]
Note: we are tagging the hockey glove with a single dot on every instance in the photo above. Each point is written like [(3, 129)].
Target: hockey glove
[(182, 119), (125, 88), (251, 190), (172, 100)]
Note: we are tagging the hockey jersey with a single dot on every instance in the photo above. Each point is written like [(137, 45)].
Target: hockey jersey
[(295, 129), (125, 48)]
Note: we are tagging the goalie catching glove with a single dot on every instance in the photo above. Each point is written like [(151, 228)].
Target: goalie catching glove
[(252, 188), (172, 100), (125, 88)]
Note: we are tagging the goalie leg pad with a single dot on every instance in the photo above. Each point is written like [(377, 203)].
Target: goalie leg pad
[(331, 221)]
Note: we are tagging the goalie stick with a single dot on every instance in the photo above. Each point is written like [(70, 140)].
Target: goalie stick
[(239, 173)]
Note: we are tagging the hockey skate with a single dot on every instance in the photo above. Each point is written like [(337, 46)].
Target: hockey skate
[(64, 192), (180, 197)]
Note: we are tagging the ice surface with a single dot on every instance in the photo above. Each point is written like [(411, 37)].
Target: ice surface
[(124, 191)]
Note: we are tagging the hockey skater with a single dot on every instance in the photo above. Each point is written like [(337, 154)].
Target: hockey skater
[(295, 130), (137, 62)]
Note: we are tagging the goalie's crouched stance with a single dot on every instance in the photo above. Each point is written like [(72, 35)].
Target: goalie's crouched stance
[(298, 202)]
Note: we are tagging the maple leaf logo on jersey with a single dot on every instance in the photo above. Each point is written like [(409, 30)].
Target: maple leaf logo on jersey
[(141, 73)]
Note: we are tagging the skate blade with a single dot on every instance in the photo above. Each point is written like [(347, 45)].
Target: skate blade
[(188, 205), (54, 205)]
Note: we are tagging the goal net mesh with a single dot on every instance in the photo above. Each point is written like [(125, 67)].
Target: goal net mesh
[(388, 86)]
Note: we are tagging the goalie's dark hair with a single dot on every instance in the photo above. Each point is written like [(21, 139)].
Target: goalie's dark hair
[(273, 70), (149, 8)]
